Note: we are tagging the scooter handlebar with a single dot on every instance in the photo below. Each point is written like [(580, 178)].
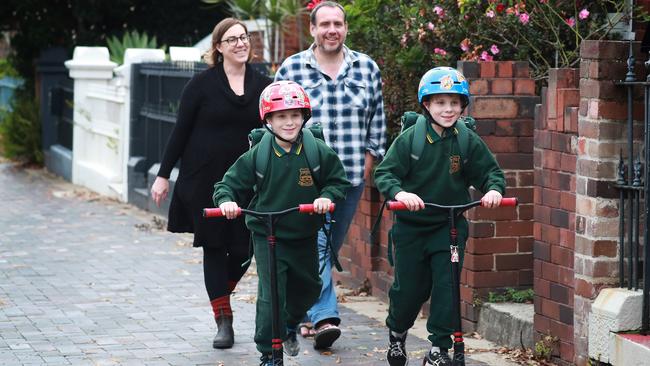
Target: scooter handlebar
[(400, 206), (216, 212), (309, 208), (303, 208)]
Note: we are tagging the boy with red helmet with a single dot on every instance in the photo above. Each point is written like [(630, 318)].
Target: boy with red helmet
[(288, 182)]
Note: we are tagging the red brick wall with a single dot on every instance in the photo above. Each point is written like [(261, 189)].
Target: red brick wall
[(556, 129), (601, 135), (499, 252)]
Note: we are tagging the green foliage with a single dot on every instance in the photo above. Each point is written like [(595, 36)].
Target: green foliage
[(275, 14), (39, 24), (6, 69), (20, 130), (544, 347), (117, 47), (407, 38), (512, 295)]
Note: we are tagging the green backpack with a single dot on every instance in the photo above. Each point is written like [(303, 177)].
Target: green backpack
[(264, 138), (411, 118)]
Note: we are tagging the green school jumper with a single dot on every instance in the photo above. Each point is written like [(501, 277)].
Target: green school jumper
[(288, 182), (421, 239)]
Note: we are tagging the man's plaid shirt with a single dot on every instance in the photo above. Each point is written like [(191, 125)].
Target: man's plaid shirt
[(349, 108)]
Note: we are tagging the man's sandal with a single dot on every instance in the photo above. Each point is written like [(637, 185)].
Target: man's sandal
[(306, 330), (325, 335)]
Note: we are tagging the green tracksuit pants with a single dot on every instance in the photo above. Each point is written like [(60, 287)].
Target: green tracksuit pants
[(298, 282), (423, 270)]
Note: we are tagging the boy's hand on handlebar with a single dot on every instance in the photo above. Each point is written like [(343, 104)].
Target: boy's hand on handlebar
[(229, 209), (412, 201), (491, 199), (322, 205)]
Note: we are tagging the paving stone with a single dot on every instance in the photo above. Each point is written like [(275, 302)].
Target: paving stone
[(81, 284)]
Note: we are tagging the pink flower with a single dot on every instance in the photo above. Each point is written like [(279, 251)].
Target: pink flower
[(312, 4), (430, 26), (439, 51), (404, 40), (486, 57), (439, 11), (524, 18), (571, 22), (464, 45), (494, 49), (489, 14), (584, 14)]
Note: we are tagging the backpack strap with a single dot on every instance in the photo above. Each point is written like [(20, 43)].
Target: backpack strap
[(419, 137), (462, 128), (262, 158)]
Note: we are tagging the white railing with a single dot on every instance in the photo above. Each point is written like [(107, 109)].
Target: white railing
[(102, 116)]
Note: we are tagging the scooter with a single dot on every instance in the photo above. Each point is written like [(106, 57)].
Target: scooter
[(455, 211), (270, 219)]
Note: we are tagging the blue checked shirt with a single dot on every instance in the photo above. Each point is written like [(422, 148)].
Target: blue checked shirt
[(349, 108)]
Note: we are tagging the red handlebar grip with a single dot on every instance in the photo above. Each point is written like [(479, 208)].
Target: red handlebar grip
[(212, 212), (309, 208), (509, 201), (396, 206), (216, 212)]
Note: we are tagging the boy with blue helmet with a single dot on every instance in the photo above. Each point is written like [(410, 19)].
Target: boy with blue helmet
[(420, 237)]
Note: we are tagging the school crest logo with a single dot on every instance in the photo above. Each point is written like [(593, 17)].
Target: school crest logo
[(446, 82), (454, 164), (305, 179)]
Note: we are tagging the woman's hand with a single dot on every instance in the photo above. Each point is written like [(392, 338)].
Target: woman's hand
[(229, 209), (491, 199), (159, 190), (322, 205), (412, 201)]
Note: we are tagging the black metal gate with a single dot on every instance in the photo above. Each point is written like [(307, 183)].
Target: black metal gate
[(633, 182)]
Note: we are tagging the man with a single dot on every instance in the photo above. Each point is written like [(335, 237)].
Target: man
[(344, 87)]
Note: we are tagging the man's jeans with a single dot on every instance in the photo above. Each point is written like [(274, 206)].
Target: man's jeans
[(326, 307)]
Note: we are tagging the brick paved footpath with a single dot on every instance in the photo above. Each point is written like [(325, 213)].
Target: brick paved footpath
[(89, 281)]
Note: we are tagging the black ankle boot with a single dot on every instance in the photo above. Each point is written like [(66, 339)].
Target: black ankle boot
[(225, 337)]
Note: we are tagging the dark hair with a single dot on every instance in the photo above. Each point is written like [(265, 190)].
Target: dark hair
[(330, 4), (213, 56)]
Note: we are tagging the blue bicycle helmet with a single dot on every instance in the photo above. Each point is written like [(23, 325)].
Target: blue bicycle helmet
[(443, 80)]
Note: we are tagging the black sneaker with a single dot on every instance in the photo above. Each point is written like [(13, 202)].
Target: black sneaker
[(437, 358), (396, 354), (267, 360), (290, 345)]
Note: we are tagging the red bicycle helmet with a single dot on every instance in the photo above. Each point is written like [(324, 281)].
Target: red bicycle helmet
[(284, 95)]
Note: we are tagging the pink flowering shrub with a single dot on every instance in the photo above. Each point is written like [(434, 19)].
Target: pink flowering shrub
[(409, 37)]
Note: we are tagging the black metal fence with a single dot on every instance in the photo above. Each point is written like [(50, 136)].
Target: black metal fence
[(155, 94), (56, 106), (633, 182)]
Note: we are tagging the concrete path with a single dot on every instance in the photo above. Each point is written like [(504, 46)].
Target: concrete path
[(89, 281)]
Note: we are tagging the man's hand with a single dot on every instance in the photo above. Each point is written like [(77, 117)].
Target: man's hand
[(229, 209), (159, 190), (412, 201), (491, 199), (322, 205)]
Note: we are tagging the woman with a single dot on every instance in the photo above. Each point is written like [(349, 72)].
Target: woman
[(218, 108)]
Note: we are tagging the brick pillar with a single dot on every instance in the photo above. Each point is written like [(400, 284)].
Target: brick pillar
[(499, 251), (556, 128), (601, 135)]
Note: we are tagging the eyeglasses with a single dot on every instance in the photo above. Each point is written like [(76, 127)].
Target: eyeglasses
[(232, 41)]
